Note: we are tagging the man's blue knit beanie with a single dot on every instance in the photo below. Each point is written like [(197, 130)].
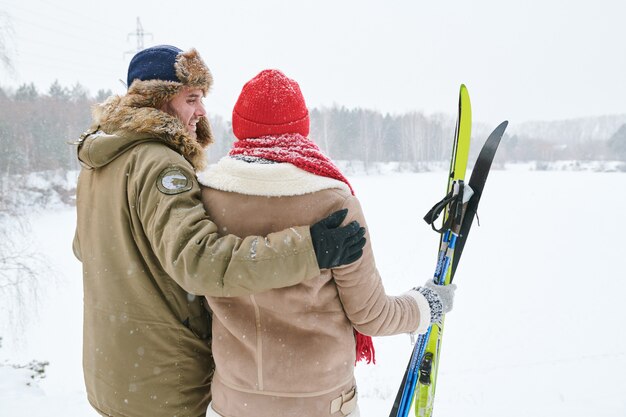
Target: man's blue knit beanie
[(154, 63)]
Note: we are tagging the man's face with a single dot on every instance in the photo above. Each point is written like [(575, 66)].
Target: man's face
[(187, 106)]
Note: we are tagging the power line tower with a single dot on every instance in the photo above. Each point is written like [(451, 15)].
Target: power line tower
[(139, 35)]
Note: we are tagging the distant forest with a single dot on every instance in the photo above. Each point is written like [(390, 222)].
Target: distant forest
[(36, 128)]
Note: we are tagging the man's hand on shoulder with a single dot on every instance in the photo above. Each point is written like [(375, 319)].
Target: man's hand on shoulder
[(334, 245)]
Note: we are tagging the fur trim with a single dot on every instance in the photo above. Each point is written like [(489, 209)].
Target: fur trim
[(152, 93), (192, 71), (271, 180), (128, 115)]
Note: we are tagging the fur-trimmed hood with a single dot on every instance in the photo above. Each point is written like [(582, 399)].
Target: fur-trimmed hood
[(123, 122)]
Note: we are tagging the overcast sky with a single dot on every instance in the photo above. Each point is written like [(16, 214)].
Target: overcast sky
[(523, 60)]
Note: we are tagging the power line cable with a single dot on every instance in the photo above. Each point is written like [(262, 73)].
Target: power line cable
[(69, 66), (73, 36), (86, 17), (89, 20), (101, 54)]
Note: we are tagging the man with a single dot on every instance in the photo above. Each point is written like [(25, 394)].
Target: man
[(149, 250)]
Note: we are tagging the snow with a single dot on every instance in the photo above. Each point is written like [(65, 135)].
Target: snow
[(538, 323)]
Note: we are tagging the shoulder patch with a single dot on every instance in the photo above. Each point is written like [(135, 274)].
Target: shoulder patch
[(173, 181)]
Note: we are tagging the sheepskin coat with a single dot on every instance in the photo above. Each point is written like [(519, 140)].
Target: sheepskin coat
[(291, 351)]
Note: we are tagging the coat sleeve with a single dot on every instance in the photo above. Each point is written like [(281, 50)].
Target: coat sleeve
[(187, 244), (368, 307), (76, 247)]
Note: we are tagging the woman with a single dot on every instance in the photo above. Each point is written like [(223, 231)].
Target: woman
[(291, 351)]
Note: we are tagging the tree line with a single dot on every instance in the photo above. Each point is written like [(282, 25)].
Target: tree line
[(37, 127)]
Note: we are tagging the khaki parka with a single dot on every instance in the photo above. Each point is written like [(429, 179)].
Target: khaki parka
[(149, 252)]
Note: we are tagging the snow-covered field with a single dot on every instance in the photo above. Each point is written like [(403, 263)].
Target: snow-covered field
[(538, 327)]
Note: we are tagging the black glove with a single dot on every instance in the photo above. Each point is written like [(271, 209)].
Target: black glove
[(336, 245)]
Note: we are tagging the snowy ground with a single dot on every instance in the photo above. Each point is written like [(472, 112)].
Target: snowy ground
[(538, 325)]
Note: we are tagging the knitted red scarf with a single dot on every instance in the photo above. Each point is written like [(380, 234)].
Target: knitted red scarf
[(305, 154)]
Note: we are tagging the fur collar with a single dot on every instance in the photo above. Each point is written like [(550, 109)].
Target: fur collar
[(271, 180), (128, 115)]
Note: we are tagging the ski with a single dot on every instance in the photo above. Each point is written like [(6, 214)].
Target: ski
[(457, 236), (458, 165), (477, 183), (417, 390)]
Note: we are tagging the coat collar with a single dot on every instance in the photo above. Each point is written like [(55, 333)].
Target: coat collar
[(271, 180)]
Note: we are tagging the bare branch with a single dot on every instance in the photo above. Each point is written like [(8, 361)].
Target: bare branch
[(6, 35)]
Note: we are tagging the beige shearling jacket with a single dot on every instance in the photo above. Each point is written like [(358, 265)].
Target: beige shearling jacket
[(291, 351)]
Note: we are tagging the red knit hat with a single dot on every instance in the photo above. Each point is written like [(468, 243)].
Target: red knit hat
[(270, 104)]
